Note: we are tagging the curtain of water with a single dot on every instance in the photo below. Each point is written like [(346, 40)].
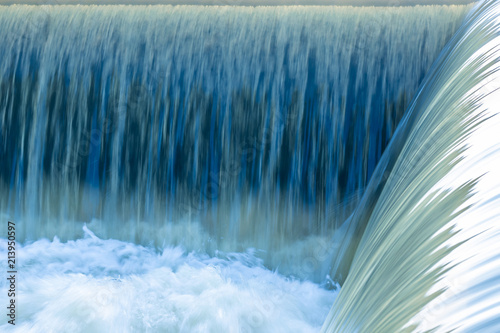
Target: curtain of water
[(209, 127)]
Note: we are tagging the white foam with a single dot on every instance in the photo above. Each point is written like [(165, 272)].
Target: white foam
[(95, 285)]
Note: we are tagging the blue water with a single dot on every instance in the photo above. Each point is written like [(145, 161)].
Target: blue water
[(258, 126), (241, 169)]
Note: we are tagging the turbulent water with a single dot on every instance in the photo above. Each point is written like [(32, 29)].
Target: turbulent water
[(213, 143), (94, 285)]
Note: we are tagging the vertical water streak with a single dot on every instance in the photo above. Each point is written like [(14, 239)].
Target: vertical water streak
[(244, 126)]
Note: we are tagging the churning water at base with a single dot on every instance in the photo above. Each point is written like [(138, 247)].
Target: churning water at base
[(124, 138), (94, 285)]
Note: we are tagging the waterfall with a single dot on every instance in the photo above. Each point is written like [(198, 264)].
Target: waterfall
[(214, 128), (242, 168), (428, 258)]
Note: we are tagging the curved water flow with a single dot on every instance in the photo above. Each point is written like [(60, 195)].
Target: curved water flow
[(428, 259)]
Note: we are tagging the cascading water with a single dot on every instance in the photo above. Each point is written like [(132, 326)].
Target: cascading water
[(270, 130), (211, 128), (428, 258)]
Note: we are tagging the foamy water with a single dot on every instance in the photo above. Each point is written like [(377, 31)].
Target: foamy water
[(96, 285)]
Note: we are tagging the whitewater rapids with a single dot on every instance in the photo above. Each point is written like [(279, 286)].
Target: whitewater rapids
[(95, 285)]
